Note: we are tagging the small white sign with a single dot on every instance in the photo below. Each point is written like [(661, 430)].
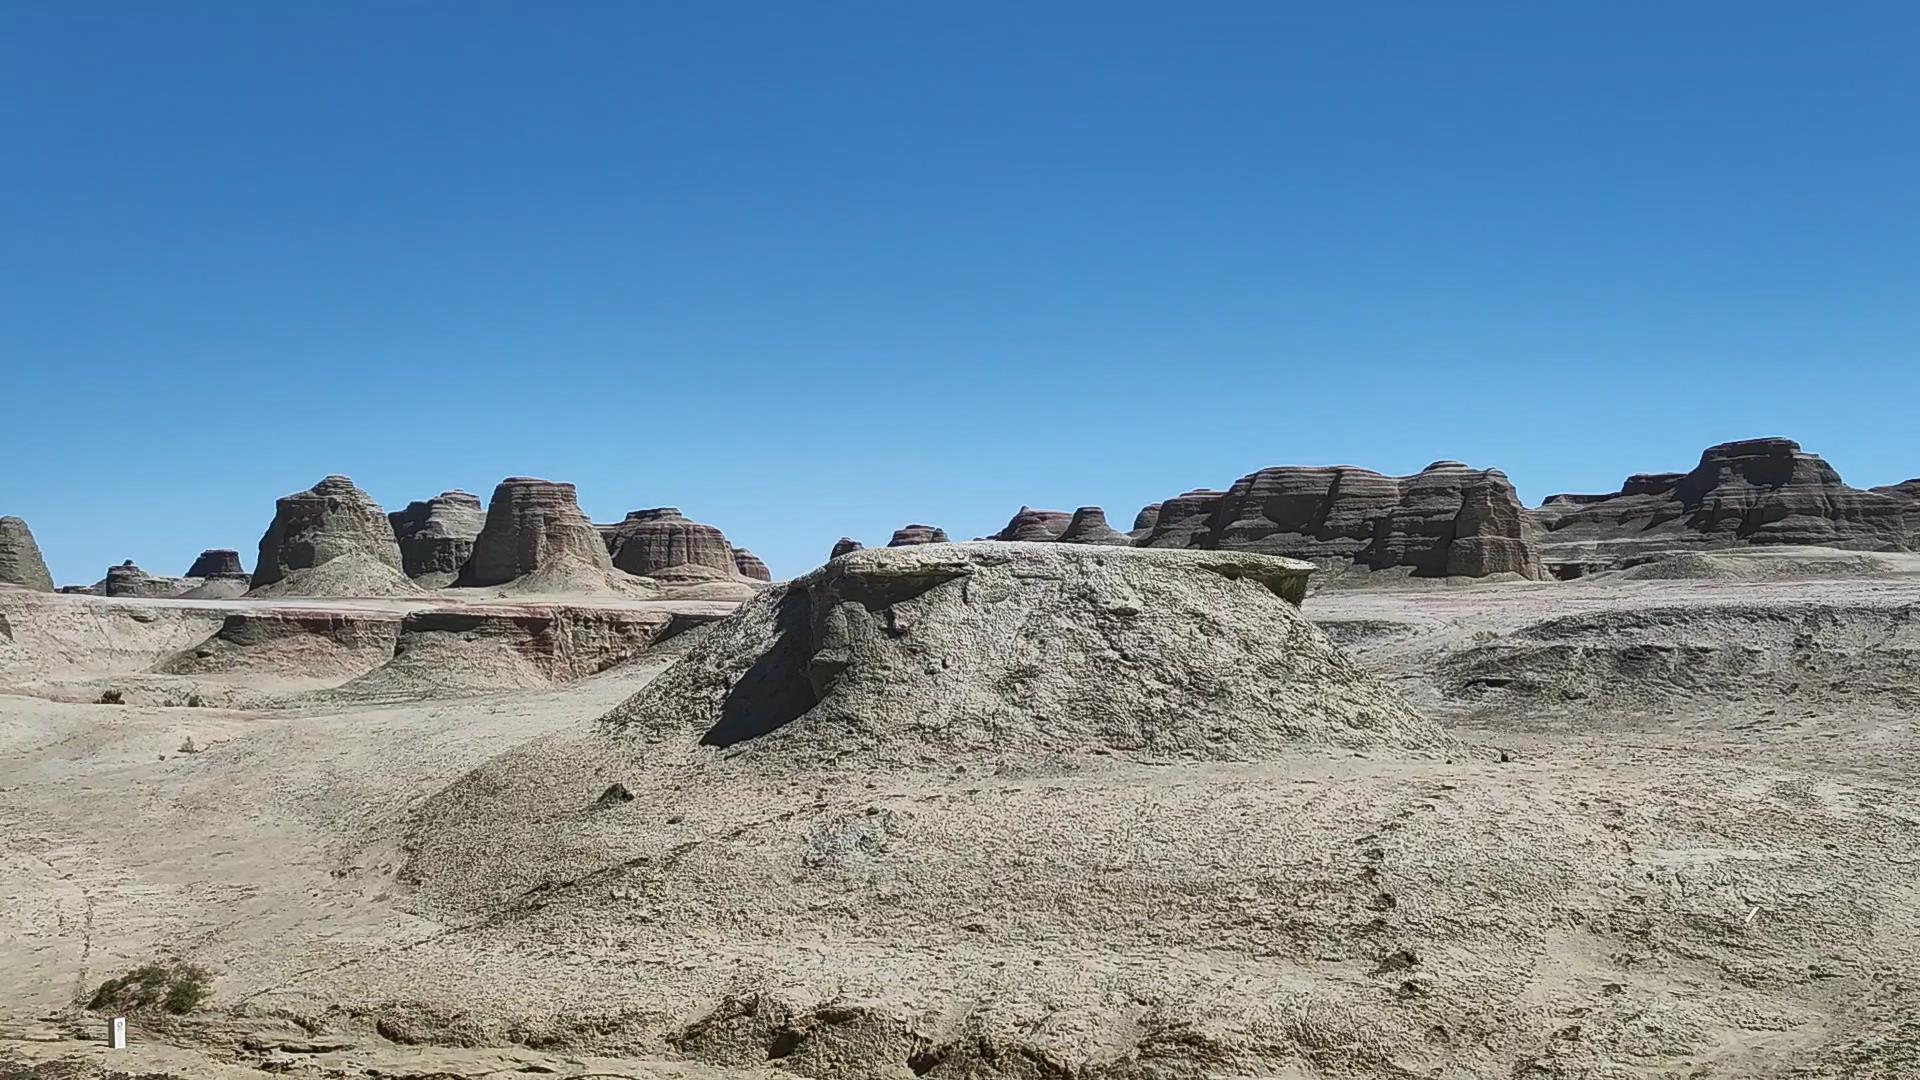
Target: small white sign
[(117, 1033)]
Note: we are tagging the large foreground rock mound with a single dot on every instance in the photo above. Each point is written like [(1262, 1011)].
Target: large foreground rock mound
[(1448, 520), (20, 561), (1754, 491), (437, 535), (918, 654), (534, 525), (314, 527)]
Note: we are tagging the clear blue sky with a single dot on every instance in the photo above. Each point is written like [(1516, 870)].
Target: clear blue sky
[(806, 270)]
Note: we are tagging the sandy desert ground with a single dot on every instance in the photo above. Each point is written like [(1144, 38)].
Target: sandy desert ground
[(1670, 828)]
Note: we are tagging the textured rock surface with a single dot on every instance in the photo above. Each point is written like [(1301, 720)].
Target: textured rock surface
[(311, 528), (1754, 491), (1089, 526), (844, 545), (1034, 526), (749, 565), (437, 535), (909, 535), (217, 563), (129, 580), (307, 643), (1008, 649), (20, 561), (1447, 520), (532, 525), (650, 541)]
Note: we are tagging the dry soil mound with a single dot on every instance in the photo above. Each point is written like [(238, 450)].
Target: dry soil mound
[(1770, 564), (926, 653), (348, 575), (295, 644)]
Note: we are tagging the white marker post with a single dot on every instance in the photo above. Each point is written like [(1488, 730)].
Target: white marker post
[(117, 1033)]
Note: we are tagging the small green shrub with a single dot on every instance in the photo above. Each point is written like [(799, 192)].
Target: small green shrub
[(176, 990)]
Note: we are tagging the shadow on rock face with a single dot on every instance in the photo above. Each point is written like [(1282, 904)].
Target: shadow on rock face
[(775, 691)]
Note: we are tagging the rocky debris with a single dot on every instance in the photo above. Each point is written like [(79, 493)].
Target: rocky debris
[(650, 541), (311, 528), (909, 535), (1144, 521), (1035, 526), (532, 525), (844, 545), (437, 535), (749, 565), (129, 580), (1012, 649), (217, 563), (1089, 526), (1754, 491), (20, 561), (1448, 520)]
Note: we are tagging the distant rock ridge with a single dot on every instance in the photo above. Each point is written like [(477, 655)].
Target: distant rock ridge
[(844, 545), (313, 527), (1448, 520), (532, 525), (217, 563), (908, 535), (650, 541), (750, 566), (129, 580), (1750, 491), (20, 561), (1034, 526), (1089, 526), (437, 535)]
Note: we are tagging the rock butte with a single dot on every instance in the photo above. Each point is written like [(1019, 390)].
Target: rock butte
[(311, 528), (844, 545), (532, 524), (650, 541), (750, 565), (908, 535), (437, 535), (1037, 526), (1089, 526), (217, 562), (20, 561)]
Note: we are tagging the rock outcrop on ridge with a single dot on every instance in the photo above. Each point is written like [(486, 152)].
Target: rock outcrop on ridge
[(844, 545), (311, 528), (217, 563), (1448, 520), (750, 566), (1089, 526), (1144, 521), (1753, 491), (20, 561), (909, 535), (1034, 526), (129, 580), (533, 525), (997, 650), (650, 541), (437, 535)]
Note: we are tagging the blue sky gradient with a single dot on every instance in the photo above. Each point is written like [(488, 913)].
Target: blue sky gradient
[(806, 270)]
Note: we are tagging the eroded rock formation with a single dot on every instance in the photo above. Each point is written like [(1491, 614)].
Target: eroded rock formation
[(1753, 491), (909, 535), (129, 580), (650, 541), (311, 528), (531, 525), (844, 545), (1446, 520), (437, 535), (1089, 526), (1034, 526), (217, 563), (20, 561), (750, 565)]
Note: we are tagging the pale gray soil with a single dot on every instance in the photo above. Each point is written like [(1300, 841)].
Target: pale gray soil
[(1679, 837)]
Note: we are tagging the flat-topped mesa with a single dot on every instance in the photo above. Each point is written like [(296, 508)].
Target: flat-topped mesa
[(532, 524), (20, 561), (1448, 520), (437, 535), (750, 566), (1034, 526), (650, 541), (314, 527), (909, 535), (1089, 526), (129, 580), (217, 563), (844, 545), (1751, 491)]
